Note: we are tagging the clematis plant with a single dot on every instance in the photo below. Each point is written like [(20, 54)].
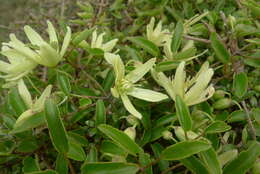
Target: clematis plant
[(192, 90), (97, 42), (39, 51), (126, 84), (157, 35), (34, 107)]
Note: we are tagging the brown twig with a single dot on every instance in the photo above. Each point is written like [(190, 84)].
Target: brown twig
[(249, 121), (171, 168), (72, 170), (196, 39)]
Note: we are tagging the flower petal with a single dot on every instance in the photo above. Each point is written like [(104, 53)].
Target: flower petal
[(107, 47), (33, 36), (39, 104), (179, 79), (52, 33), (24, 93), (129, 106), (117, 64), (66, 42), (140, 71), (148, 95)]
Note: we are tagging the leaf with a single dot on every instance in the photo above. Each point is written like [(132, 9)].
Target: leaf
[(16, 102), (227, 156), (108, 81), (100, 113), (121, 139), (212, 163), (254, 62), (240, 84), (183, 114), (256, 114), (217, 127), (184, 149), (145, 160), (56, 128), (44, 172), (148, 95), (108, 147), (30, 165), (28, 122), (83, 35), (64, 83), (146, 45), (92, 155), (195, 165), (61, 164), (76, 152), (109, 168), (220, 50), (244, 161), (177, 37)]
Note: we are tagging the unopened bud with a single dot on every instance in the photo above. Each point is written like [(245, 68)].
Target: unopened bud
[(132, 120), (167, 135), (179, 132), (223, 103), (219, 94), (130, 131)]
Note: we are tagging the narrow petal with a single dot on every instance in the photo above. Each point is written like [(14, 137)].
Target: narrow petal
[(129, 106), (117, 64), (179, 79), (33, 36), (52, 33), (201, 84), (205, 95), (140, 71), (39, 104), (148, 95), (99, 41), (165, 82), (149, 28), (94, 39), (66, 42), (4, 67), (24, 93), (107, 47)]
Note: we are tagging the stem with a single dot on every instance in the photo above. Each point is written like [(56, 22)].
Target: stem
[(150, 164), (72, 170), (196, 39), (171, 168), (249, 121)]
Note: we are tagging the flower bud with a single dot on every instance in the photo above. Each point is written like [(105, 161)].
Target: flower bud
[(179, 132), (219, 94), (167, 135), (132, 120), (130, 131), (222, 103)]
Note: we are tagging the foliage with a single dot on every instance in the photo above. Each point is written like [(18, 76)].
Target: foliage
[(143, 86)]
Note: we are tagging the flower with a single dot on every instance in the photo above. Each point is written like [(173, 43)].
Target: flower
[(34, 107), (97, 42), (157, 35), (40, 51), (192, 91), (125, 84)]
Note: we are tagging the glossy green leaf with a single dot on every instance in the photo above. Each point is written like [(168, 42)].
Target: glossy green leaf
[(256, 114), (184, 149), (64, 83), (195, 165), (100, 115), (212, 163), (146, 45), (244, 161), (109, 147), (76, 152), (109, 168), (83, 35), (120, 138), (219, 48), (183, 114), (16, 102), (177, 37), (61, 164), (30, 165), (92, 155), (240, 84), (56, 128), (44, 172), (108, 81), (217, 127), (254, 62)]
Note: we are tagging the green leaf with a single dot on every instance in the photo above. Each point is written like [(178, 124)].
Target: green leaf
[(227, 156), (64, 83), (256, 114), (217, 127), (61, 164), (244, 161), (56, 128), (109, 147), (76, 152), (145, 160), (183, 114), (108, 81), (146, 45), (30, 165), (28, 122), (92, 154), (184, 149), (120, 138), (212, 163), (109, 168), (254, 62), (100, 113), (16, 102), (44, 172), (82, 36), (195, 165), (177, 37), (240, 84), (219, 48)]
